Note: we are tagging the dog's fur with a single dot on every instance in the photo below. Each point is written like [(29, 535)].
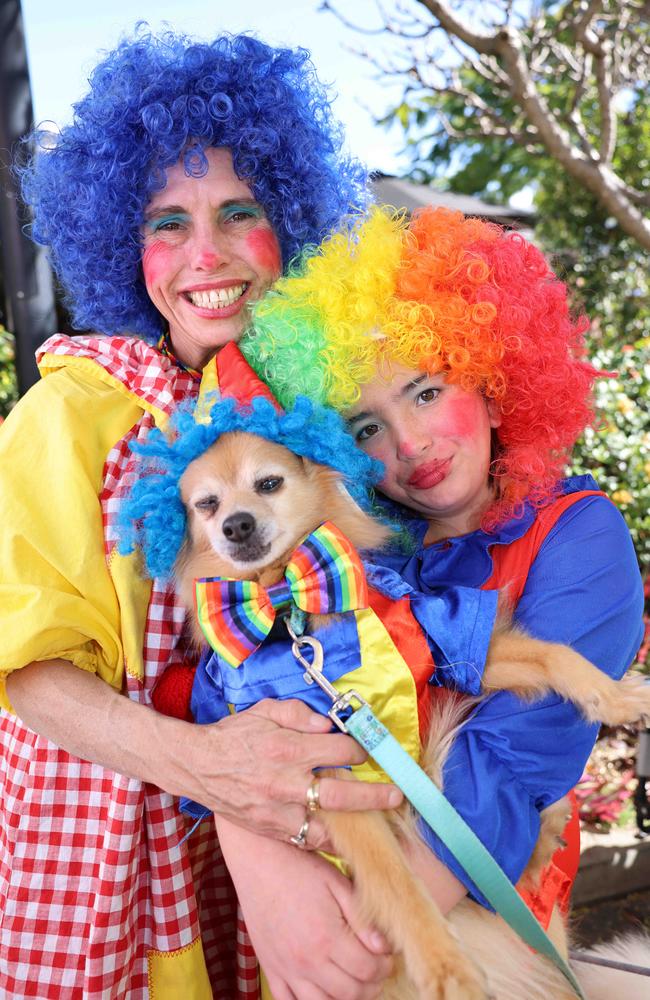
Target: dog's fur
[(249, 502)]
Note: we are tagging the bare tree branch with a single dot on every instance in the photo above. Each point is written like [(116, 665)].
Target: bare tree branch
[(582, 24), (601, 51), (326, 6), (481, 42), (388, 26), (592, 171), (641, 198), (602, 68), (514, 61), (487, 68)]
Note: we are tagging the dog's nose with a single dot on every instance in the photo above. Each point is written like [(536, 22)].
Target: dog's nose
[(238, 527)]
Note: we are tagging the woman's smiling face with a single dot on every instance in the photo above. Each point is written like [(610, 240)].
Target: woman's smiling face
[(435, 441), (209, 251)]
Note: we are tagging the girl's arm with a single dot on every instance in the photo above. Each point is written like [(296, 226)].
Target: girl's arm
[(315, 940), (512, 759), (300, 915)]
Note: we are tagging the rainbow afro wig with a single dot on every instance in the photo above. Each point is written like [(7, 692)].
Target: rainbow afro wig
[(441, 293), (153, 516), (155, 100)]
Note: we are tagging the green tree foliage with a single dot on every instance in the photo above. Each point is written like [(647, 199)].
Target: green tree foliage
[(617, 449), (610, 278), (8, 385)]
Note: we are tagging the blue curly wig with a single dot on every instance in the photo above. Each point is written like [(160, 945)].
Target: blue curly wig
[(153, 100), (153, 516)]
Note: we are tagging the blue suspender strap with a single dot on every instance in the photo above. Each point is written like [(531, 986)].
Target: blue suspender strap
[(452, 829)]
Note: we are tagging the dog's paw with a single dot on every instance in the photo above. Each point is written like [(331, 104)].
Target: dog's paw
[(452, 977), (620, 702)]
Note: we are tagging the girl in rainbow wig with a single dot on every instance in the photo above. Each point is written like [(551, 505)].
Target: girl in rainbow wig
[(189, 176), (450, 347)]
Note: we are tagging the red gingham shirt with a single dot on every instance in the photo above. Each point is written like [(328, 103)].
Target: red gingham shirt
[(92, 874)]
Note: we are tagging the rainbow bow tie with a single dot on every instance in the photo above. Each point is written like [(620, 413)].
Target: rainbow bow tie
[(324, 575)]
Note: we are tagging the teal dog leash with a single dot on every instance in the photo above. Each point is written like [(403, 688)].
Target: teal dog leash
[(431, 804)]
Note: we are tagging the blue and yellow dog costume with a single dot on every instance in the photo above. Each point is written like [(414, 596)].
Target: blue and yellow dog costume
[(391, 649)]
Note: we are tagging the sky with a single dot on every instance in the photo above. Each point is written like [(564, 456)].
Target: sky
[(65, 37)]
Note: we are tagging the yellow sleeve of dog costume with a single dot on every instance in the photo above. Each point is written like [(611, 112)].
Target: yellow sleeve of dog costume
[(57, 598), (385, 681)]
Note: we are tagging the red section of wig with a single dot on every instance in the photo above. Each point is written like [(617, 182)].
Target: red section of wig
[(500, 322)]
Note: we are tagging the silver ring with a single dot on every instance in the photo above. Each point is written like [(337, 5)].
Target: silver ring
[(300, 839), (313, 796)]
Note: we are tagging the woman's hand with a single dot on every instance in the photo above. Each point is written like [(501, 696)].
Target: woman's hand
[(299, 914), (253, 768)]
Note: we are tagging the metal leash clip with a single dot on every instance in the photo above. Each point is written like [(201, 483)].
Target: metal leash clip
[(313, 673)]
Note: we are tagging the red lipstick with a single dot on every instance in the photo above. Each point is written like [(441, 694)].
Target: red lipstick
[(426, 476)]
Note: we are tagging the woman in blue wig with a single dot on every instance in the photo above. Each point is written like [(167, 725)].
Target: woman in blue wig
[(189, 177)]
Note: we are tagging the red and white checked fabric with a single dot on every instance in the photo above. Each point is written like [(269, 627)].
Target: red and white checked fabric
[(92, 872), (144, 371)]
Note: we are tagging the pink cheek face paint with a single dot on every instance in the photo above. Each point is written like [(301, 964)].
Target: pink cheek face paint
[(157, 263), (461, 417), (265, 250)]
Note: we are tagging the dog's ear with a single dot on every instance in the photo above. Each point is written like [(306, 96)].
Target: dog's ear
[(338, 506)]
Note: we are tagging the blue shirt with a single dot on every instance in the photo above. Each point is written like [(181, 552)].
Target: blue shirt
[(511, 759)]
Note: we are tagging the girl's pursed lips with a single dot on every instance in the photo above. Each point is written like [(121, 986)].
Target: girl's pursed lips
[(430, 474)]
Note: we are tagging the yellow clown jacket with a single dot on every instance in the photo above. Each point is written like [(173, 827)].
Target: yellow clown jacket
[(99, 897)]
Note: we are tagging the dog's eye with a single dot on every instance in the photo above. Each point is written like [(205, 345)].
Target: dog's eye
[(207, 505), (269, 485)]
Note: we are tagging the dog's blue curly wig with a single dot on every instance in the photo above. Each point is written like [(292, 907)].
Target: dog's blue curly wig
[(153, 100), (153, 516)]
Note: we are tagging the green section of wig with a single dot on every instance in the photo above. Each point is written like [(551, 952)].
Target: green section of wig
[(318, 333)]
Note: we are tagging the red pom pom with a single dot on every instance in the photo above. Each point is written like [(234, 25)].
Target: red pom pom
[(173, 691)]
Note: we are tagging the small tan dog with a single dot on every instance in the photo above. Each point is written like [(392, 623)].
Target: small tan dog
[(249, 503)]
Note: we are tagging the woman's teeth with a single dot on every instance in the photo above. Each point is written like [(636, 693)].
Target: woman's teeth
[(217, 298)]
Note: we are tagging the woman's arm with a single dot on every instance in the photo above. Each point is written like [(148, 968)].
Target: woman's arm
[(56, 594), (315, 940), (253, 768)]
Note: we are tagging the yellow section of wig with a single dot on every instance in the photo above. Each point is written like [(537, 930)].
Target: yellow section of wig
[(324, 329)]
